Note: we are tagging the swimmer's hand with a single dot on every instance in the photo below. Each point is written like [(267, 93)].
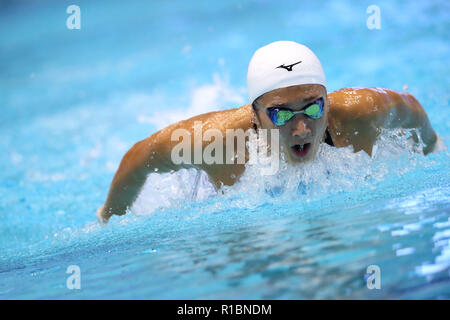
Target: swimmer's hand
[(101, 215)]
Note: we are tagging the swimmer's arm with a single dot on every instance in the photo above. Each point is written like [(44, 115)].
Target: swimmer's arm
[(357, 116), (154, 154), (144, 157)]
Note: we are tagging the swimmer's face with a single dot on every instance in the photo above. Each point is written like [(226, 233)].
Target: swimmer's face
[(300, 136)]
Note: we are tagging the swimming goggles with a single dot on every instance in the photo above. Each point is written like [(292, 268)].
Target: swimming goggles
[(280, 116)]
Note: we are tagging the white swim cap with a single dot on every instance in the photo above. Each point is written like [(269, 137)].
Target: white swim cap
[(282, 64)]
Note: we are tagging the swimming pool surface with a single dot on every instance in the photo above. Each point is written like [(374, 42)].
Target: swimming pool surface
[(74, 101)]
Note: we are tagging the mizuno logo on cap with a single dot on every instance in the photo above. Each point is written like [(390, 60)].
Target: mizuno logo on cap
[(288, 67)]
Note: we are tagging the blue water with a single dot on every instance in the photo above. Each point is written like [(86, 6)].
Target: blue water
[(74, 101)]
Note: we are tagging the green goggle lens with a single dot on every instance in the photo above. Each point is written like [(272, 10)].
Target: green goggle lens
[(283, 116), (313, 111), (280, 116)]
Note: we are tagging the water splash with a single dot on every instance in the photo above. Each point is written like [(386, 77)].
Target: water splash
[(333, 171)]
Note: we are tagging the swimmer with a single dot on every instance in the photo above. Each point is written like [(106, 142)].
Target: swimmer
[(287, 90)]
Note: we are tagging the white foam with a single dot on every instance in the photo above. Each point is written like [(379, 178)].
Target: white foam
[(169, 190), (334, 170)]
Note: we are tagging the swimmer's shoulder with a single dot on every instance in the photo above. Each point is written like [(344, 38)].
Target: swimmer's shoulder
[(362, 101), (354, 100), (235, 118)]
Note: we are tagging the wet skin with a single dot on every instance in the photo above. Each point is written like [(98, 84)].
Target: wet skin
[(353, 116)]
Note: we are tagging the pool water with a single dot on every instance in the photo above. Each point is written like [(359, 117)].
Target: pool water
[(74, 101)]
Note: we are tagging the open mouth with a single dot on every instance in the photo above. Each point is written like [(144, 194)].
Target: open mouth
[(301, 150)]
